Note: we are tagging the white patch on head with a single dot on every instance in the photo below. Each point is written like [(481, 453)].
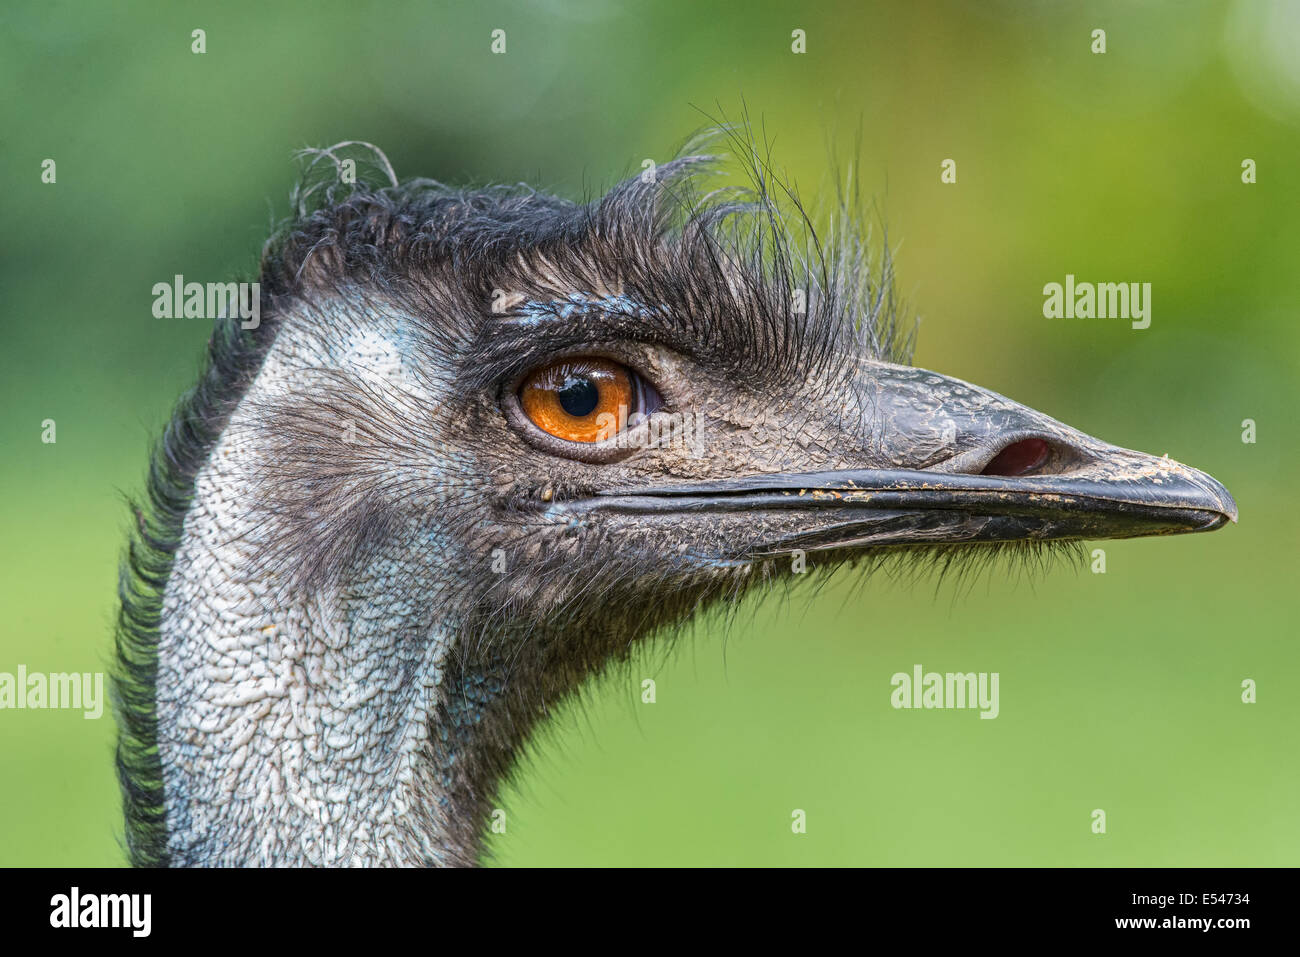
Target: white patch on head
[(333, 339), (374, 357)]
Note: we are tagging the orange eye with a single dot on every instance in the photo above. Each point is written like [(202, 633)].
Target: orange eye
[(584, 399)]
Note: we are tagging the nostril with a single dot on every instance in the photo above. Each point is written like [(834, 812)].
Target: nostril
[(1018, 458)]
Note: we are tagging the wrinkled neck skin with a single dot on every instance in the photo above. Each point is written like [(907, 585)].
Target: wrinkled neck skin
[(299, 733), (332, 725)]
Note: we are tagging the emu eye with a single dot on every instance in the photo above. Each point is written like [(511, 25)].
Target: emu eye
[(585, 399)]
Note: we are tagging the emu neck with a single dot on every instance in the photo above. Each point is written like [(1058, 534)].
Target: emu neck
[(299, 734), (307, 724)]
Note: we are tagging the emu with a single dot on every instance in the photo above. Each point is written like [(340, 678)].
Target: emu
[(402, 518)]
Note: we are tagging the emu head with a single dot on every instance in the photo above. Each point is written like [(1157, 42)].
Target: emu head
[(485, 440)]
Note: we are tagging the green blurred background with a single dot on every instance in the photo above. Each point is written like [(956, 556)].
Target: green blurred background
[(1118, 691)]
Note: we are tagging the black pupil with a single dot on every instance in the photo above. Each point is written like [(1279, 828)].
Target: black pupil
[(578, 397)]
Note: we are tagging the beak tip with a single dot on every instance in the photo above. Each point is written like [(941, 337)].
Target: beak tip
[(1221, 499)]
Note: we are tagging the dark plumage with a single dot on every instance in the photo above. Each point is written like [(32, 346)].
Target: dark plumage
[(363, 575)]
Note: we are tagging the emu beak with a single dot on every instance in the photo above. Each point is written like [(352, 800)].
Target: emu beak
[(961, 464)]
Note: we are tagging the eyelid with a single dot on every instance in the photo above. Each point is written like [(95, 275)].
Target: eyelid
[(499, 354)]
